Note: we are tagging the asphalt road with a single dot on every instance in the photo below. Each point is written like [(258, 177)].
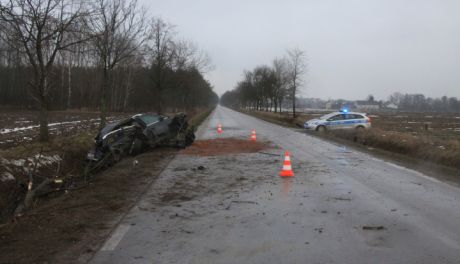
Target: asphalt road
[(236, 209)]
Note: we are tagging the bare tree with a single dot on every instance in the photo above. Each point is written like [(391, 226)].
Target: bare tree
[(280, 87), (42, 28), (187, 55), (296, 70), (161, 49), (117, 30)]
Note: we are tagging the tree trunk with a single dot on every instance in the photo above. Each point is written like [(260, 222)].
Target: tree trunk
[(69, 89), (103, 106), (43, 117), (127, 91), (293, 105)]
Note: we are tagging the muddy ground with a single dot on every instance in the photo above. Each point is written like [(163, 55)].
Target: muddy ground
[(69, 228)]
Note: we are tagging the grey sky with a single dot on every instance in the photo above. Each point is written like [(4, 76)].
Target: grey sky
[(354, 47)]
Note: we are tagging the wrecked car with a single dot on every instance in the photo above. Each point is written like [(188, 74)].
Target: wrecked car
[(135, 134)]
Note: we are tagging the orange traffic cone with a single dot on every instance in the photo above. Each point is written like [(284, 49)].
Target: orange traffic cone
[(253, 135), (287, 168), (219, 128)]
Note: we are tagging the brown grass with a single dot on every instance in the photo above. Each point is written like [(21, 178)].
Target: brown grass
[(441, 151)]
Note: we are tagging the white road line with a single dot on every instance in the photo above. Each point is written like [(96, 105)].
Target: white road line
[(117, 236)]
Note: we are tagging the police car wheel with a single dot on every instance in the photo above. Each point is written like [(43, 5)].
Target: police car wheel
[(321, 129), (359, 128)]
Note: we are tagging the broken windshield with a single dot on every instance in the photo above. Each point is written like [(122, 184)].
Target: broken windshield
[(149, 119)]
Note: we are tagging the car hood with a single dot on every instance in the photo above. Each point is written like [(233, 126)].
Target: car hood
[(108, 128), (313, 120), (114, 126)]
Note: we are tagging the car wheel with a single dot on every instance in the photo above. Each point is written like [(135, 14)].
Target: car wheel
[(360, 128), (321, 129)]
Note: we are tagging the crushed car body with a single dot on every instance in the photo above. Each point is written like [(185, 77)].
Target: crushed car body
[(131, 136)]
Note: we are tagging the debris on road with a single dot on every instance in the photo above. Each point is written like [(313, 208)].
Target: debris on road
[(200, 168), (374, 228), (270, 154), (319, 230), (239, 202), (341, 199)]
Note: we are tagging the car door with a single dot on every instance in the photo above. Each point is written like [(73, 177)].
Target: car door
[(350, 121), (358, 120), (335, 122)]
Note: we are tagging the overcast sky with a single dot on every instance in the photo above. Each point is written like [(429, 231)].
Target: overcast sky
[(354, 47)]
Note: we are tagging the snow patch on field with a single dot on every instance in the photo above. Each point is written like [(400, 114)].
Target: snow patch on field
[(51, 125), (28, 164), (7, 176)]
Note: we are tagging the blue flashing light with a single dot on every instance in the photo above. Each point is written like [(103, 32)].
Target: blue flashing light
[(344, 110)]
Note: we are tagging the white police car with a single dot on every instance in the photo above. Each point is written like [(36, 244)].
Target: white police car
[(339, 120)]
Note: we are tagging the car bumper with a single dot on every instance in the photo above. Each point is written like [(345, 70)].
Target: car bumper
[(309, 126)]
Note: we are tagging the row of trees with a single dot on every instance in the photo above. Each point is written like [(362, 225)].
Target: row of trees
[(396, 101), (418, 102), (267, 87), (97, 54)]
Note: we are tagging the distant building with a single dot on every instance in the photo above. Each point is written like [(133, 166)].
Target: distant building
[(329, 104), (348, 105), (340, 104), (367, 105), (391, 106)]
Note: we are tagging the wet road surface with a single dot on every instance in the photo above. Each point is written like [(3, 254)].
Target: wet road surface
[(342, 206)]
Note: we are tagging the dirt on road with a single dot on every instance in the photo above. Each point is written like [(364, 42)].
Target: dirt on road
[(221, 146)]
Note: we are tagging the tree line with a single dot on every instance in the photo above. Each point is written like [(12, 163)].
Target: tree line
[(268, 87), (106, 55), (419, 102)]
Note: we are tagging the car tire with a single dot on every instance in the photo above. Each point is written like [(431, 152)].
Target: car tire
[(360, 128), (321, 129)]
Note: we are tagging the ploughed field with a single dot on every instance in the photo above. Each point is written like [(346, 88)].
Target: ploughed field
[(19, 127), (442, 125)]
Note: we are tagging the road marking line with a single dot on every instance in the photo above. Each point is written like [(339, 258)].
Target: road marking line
[(116, 237)]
